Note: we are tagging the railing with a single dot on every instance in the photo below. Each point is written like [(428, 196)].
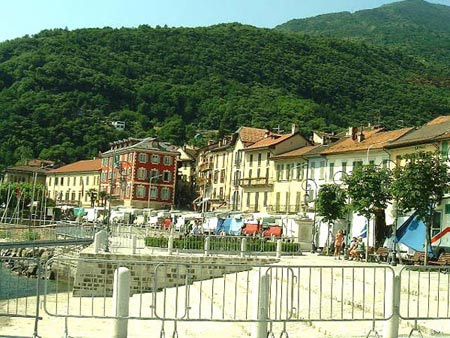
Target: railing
[(268, 298), (257, 181), (14, 233), (228, 245)]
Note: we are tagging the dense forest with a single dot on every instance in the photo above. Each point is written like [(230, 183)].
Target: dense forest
[(60, 90), (416, 27)]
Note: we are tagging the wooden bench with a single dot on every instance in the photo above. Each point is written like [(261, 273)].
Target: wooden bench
[(443, 259), (417, 259), (381, 255)]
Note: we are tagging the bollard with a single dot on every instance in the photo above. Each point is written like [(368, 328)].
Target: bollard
[(207, 246), (243, 246), (278, 254), (121, 299), (261, 299), (100, 240), (134, 244), (393, 303), (170, 245)]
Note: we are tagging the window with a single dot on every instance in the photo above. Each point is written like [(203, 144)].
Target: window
[(371, 162), (344, 167), (258, 172), (357, 164), (166, 176), (140, 191), (153, 173), (313, 170), (259, 159), (142, 173), (155, 159), (87, 180), (250, 173), (248, 199), (167, 160), (104, 176), (143, 158), (331, 171), (322, 170), (251, 158), (267, 158), (165, 193), (222, 176), (105, 162), (278, 172), (74, 181), (288, 172), (385, 164), (221, 192), (62, 180), (154, 193), (130, 157), (265, 198)]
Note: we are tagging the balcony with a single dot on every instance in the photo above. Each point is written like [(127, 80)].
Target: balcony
[(255, 182), (205, 166)]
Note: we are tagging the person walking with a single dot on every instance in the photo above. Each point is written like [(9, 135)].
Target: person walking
[(338, 242)]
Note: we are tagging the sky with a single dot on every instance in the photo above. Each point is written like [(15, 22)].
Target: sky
[(21, 17)]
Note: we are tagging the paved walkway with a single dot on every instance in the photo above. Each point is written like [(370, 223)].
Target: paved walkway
[(55, 327)]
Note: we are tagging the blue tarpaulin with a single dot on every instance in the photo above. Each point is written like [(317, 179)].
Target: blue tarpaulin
[(230, 226), (412, 234)]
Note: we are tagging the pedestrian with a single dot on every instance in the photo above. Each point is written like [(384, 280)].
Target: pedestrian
[(338, 241)]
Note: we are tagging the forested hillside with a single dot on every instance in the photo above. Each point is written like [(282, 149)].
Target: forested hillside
[(416, 27), (60, 89)]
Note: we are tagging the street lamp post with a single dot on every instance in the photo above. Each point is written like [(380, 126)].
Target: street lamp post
[(150, 188)]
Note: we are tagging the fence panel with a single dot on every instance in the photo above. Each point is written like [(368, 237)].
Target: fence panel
[(425, 292)]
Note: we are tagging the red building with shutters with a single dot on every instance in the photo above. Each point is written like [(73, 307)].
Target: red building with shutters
[(140, 173)]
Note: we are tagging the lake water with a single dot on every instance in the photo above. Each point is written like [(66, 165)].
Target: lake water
[(14, 286)]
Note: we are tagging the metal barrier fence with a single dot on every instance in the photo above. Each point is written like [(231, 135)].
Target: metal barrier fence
[(239, 293), (426, 292), (20, 296), (216, 244)]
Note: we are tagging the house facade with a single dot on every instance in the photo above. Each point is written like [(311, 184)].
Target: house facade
[(139, 173), (259, 172), (70, 184)]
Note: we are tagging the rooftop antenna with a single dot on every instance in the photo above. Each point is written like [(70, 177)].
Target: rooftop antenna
[(278, 129)]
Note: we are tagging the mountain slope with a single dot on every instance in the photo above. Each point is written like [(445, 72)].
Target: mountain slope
[(60, 90), (416, 26)]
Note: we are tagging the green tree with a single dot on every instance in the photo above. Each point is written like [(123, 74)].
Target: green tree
[(419, 186), (368, 189), (331, 205)]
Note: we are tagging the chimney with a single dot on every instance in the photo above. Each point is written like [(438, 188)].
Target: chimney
[(361, 136), (294, 128)]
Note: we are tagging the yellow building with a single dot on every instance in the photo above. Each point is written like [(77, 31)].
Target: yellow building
[(71, 183)]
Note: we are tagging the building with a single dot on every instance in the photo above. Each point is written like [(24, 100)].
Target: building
[(219, 169), (72, 184), (33, 172), (186, 163), (139, 173), (257, 181)]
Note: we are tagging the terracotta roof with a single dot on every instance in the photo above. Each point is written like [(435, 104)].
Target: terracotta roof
[(80, 166), (438, 120), (270, 141), (250, 135), (295, 153), (375, 139)]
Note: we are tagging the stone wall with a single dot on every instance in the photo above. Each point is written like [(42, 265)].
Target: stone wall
[(95, 271)]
